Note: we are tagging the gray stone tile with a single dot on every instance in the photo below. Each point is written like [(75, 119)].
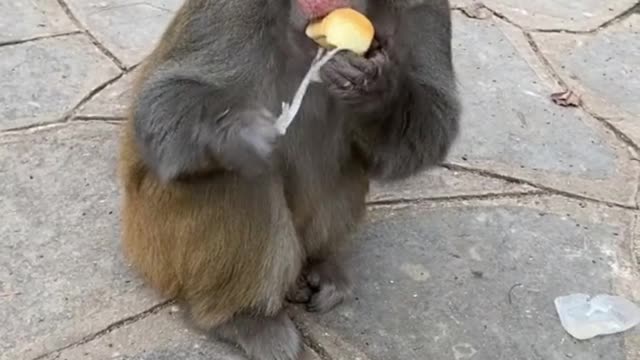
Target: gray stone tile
[(21, 20), (128, 28), (112, 101), (565, 15), (161, 336), (443, 183), (42, 80), (434, 282), (61, 273), (510, 125), (603, 68)]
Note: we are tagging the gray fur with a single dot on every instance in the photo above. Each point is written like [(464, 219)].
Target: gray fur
[(262, 337)]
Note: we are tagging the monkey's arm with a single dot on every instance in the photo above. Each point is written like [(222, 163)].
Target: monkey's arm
[(188, 126), (418, 121), (193, 112)]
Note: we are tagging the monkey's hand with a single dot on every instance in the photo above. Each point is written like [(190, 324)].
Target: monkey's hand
[(244, 142), (364, 83)]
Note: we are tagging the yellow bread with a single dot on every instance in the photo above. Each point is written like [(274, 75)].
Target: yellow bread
[(343, 28)]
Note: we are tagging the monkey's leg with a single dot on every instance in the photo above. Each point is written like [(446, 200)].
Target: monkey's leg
[(330, 284), (267, 264), (229, 247), (263, 337), (325, 281)]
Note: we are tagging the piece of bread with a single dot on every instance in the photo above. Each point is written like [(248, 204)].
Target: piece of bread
[(343, 28)]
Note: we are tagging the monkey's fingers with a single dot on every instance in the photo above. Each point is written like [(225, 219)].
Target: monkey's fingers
[(365, 66), (248, 144), (347, 71), (300, 292), (333, 75)]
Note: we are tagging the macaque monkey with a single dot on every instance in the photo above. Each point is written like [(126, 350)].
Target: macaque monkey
[(233, 218)]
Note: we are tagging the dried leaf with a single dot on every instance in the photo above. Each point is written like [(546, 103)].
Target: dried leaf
[(566, 98)]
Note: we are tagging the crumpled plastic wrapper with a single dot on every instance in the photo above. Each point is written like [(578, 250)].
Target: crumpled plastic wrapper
[(585, 317)]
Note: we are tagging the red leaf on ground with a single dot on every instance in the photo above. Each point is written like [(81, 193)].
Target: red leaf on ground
[(566, 98)]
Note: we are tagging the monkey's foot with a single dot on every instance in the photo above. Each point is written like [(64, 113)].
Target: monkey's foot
[(322, 286), (264, 338), (300, 292)]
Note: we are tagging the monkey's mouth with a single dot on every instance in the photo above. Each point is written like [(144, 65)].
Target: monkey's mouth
[(316, 9)]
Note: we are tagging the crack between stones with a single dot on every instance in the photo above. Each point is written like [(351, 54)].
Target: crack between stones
[(546, 189), (55, 123), (615, 20), (103, 49), (635, 242), (463, 10), (36, 126), (144, 3), (93, 93), (42, 37), (87, 118), (637, 191), (621, 136), (439, 199), (634, 9), (110, 328), (70, 115), (309, 340)]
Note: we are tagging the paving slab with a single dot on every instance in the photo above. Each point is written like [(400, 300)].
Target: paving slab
[(477, 280), (40, 81), (161, 336), (604, 68), (441, 183), (130, 29), (510, 126), (36, 19), (61, 273), (575, 15), (112, 101)]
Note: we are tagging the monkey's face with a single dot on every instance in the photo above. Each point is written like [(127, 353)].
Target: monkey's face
[(313, 9)]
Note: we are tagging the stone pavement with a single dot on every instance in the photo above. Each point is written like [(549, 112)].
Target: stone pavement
[(536, 201)]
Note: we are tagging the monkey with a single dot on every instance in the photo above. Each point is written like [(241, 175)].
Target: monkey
[(233, 218)]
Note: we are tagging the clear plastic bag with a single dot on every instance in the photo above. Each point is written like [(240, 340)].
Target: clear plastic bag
[(585, 317)]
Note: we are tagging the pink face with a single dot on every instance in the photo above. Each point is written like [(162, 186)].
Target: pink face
[(318, 8)]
